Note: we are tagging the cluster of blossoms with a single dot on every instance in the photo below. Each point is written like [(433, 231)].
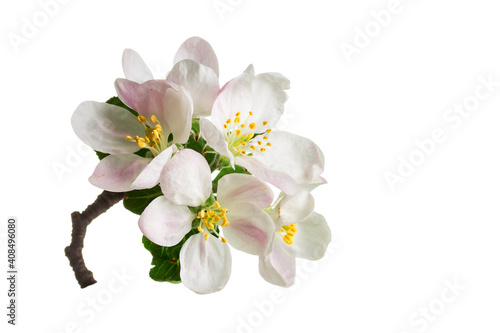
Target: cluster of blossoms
[(213, 152)]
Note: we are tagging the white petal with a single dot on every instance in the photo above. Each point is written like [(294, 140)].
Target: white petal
[(199, 50), (269, 97), (205, 264), (250, 229), (295, 155), (269, 173), (134, 67), (312, 237), (215, 139), (178, 112), (165, 223), (186, 179), (104, 127), (116, 173), (201, 82), (150, 176), (278, 267), (296, 207), (239, 188), (235, 96)]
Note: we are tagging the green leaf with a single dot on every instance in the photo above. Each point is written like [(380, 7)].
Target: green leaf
[(196, 143), (227, 171), (101, 155), (136, 201), (167, 266), (195, 125)]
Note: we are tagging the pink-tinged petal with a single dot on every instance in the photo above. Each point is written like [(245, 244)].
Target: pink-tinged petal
[(312, 237), (239, 188), (134, 67), (268, 173), (250, 229), (150, 176), (165, 223), (145, 98), (177, 114), (299, 157), (205, 264), (116, 173), (104, 127), (170, 103), (215, 139), (278, 267), (235, 96), (295, 208), (200, 81), (186, 179), (199, 50)]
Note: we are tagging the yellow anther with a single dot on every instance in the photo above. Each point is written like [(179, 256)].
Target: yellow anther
[(237, 114), (253, 147), (250, 113), (141, 144), (200, 229), (225, 125), (223, 240), (268, 144), (136, 138), (244, 152), (238, 132), (259, 142), (262, 149), (242, 125), (211, 225), (158, 127), (268, 130), (201, 214), (153, 119), (141, 119), (129, 138), (141, 139), (206, 237), (250, 135), (147, 139), (216, 218), (265, 138), (239, 151), (252, 125), (228, 121), (243, 143), (225, 223), (264, 123), (217, 204), (237, 120)]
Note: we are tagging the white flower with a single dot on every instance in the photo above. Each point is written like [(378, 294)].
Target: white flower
[(238, 212), (195, 68), (300, 232), (243, 116), (165, 111)]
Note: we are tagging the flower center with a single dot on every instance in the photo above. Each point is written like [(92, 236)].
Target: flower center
[(246, 139), (154, 138), (287, 232), (210, 217)]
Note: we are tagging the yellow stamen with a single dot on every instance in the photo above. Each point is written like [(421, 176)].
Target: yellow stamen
[(217, 204), (264, 123), (225, 125), (259, 142), (238, 132), (252, 125), (141, 119), (268, 144), (228, 121), (206, 237), (253, 147), (141, 144), (129, 138), (153, 118), (237, 120), (262, 149), (250, 113), (237, 114), (268, 130), (265, 138), (223, 240), (242, 125), (200, 229)]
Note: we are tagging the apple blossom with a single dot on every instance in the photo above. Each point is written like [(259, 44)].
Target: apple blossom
[(187, 203), (300, 232), (164, 119), (241, 129)]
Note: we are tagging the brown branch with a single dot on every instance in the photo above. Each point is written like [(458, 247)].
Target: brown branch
[(80, 222)]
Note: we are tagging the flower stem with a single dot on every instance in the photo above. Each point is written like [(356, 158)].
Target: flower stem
[(80, 221)]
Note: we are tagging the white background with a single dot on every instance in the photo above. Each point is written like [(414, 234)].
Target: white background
[(393, 251)]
